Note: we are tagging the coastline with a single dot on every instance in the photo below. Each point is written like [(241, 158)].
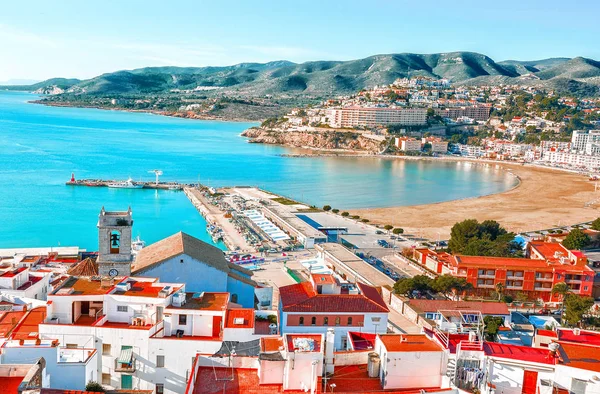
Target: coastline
[(543, 198), (171, 114)]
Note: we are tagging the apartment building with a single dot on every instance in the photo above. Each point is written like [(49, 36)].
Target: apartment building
[(376, 116), (407, 144), (587, 142), (479, 113), (325, 302), (546, 264), (437, 145)]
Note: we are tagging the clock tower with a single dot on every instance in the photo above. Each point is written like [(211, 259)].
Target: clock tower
[(114, 243)]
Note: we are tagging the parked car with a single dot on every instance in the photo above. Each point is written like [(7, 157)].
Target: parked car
[(558, 312), (544, 311), (378, 232)]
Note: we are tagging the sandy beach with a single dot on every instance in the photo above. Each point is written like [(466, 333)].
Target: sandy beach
[(544, 198)]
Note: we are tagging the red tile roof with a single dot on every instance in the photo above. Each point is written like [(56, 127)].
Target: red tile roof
[(546, 333), (12, 273), (8, 321), (486, 308), (245, 315), (409, 343), (301, 297)]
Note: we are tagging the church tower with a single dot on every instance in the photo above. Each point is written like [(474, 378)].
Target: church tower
[(114, 243)]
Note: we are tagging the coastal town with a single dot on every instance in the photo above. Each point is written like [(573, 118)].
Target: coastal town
[(423, 116), (318, 197)]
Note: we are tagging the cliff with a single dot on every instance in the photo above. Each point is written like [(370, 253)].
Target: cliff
[(325, 140)]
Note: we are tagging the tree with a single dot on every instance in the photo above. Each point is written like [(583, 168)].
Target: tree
[(596, 224), (388, 227), (94, 387), (345, 214), (487, 238), (398, 230), (576, 239), (499, 290), (327, 208), (492, 326), (561, 289), (335, 210), (448, 284), (406, 286), (575, 307), (365, 220)]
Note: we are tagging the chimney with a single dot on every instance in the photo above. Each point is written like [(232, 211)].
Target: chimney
[(329, 349)]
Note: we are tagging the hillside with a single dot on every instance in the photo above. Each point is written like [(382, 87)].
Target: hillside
[(325, 78)]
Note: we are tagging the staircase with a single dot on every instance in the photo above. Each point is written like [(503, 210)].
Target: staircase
[(451, 369)]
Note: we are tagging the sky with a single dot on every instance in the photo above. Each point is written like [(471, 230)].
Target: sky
[(81, 39)]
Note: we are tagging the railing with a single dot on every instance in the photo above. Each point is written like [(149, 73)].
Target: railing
[(442, 336), (127, 368), (544, 279)]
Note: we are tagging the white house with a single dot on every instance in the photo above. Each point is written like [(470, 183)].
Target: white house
[(314, 307), (203, 267)]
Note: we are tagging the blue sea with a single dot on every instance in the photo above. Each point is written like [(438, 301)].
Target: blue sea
[(41, 146)]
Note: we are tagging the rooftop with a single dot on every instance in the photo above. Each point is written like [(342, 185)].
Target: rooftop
[(233, 381), (82, 286), (579, 355), (204, 301), (520, 353), (273, 344), (581, 336), (409, 343), (8, 321), (10, 384), (486, 308), (12, 273), (323, 279), (296, 342), (301, 297), (239, 318), (28, 327), (362, 340), (140, 288)]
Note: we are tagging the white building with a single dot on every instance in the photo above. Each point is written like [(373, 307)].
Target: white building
[(323, 303), (407, 144), (410, 361), (376, 116), (588, 142)]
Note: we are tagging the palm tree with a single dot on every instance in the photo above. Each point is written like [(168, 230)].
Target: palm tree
[(562, 289), (499, 290)]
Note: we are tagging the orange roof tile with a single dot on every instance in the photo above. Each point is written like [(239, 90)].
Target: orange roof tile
[(579, 356), (28, 327), (8, 321), (270, 345), (323, 279)]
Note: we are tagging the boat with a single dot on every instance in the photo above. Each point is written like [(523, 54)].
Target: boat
[(137, 244), (128, 184), (93, 184), (175, 187)]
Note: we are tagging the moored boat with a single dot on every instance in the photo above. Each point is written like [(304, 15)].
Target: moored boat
[(128, 184)]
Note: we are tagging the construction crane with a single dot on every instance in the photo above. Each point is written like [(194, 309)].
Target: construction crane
[(157, 173)]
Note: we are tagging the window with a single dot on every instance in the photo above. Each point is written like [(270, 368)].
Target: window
[(301, 321), (509, 273), (182, 320), (71, 346), (106, 379), (326, 321), (350, 321), (106, 349), (160, 388), (122, 308), (234, 298), (480, 272), (337, 321), (160, 361), (313, 321)]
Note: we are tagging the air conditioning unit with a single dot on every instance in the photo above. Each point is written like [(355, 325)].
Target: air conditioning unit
[(238, 320), (123, 286)]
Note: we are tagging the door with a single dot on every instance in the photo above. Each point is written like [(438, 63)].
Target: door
[(85, 308), (126, 382), (159, 313), (530, 382), (216, 326)]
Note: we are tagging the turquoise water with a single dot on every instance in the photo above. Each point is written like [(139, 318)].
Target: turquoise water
[(41, 146)]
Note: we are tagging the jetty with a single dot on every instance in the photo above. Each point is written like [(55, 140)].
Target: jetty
[(131, 184)]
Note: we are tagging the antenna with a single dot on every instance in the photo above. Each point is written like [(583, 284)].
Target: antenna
[(157, 173)]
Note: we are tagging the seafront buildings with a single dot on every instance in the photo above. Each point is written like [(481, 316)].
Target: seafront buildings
[(356, 116), (187, 320)]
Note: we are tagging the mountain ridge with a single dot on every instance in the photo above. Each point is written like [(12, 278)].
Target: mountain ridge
[(324, 78)]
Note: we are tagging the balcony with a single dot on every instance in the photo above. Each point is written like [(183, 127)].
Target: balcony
[(486, 276), (538, 288), (543, 279), (484, 286), (125, 362), (513, 277), (520, 287)]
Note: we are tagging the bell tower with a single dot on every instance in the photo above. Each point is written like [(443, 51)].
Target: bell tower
[(114, 243)]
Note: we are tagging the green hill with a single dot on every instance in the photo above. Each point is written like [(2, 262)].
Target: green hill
[(326, 78)]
